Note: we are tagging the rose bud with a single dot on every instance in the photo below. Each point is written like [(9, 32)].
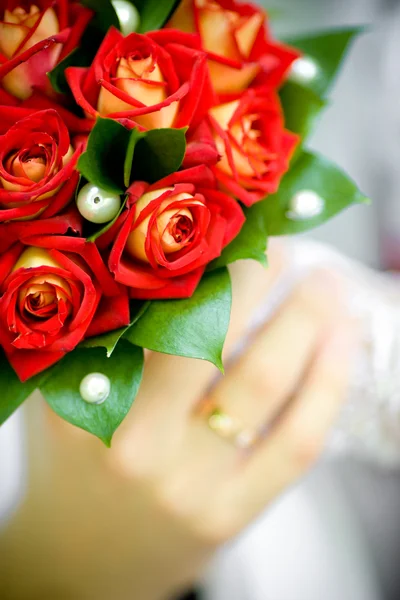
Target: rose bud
[(255, 147), (237, 41), (52, 299), (34, 37), (155, 80), (171, 231), (37, 167), (200, 147)]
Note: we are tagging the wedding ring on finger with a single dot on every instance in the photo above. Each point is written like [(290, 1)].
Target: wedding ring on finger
[(231, 429)]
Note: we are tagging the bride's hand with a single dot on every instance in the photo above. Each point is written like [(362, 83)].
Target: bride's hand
[(141, 520)]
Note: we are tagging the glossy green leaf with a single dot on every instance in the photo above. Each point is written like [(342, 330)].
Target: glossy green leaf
[(316, 174), (135, 136), (103, 162), (116, 155), (154, 13), (251, 243), (303, 98), (195, 327), (158, 154), (327, 50), (301, 107), (61, 388), (13, 392), (110, 340)]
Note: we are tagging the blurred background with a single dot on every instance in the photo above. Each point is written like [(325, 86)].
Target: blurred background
[(357, 505), (360, 131)]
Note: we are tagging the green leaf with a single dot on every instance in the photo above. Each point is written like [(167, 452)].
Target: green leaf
[(135, 136), (13, 392), (301, 107), (154, 13), (106, 15), (195, 327), (110, 340), (61, 388), (304, 98), (116, 155), (158, 154), (103, 162), (76, 58), (327, 50), (316, 174), (251, 243)]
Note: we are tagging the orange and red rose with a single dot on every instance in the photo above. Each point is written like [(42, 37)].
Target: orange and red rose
[(37, 165), (155, 80), (55, 292), (237, 41), (170, 232), (254, 146), (34, 37)]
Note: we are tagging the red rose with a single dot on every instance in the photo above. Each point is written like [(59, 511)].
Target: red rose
[(34, 37), (37, 165), (255, 147), (155, 80), (55, 293), (238, 43), (70, 221), (171, 231)]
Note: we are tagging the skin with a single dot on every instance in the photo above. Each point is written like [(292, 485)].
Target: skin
[(143, 519)]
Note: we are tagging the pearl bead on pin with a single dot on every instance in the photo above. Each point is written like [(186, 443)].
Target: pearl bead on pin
[(305, 204), (97, 205), (95, 388), (304, 70)]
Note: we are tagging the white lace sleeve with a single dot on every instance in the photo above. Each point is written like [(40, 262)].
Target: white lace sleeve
[(369, 426)]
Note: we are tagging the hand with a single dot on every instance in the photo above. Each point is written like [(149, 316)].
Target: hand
[(142, 519)]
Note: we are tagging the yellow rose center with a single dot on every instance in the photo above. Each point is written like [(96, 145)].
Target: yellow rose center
[(42, 295), (29, 164), (141, 79), (174, 226)]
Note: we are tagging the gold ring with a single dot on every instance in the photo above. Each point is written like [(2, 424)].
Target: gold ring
[(231, 429)]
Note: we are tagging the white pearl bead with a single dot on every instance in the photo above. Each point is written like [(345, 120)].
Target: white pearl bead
[(95, 388), (305, 204), (303, 70), (127, 14), (97, 205)]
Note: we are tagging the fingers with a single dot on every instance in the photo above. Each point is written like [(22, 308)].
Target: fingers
[(173, 385), (260, 382), (298, 437), (258, 385)]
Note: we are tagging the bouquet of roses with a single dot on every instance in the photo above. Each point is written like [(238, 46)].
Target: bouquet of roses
[(144, 146)]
